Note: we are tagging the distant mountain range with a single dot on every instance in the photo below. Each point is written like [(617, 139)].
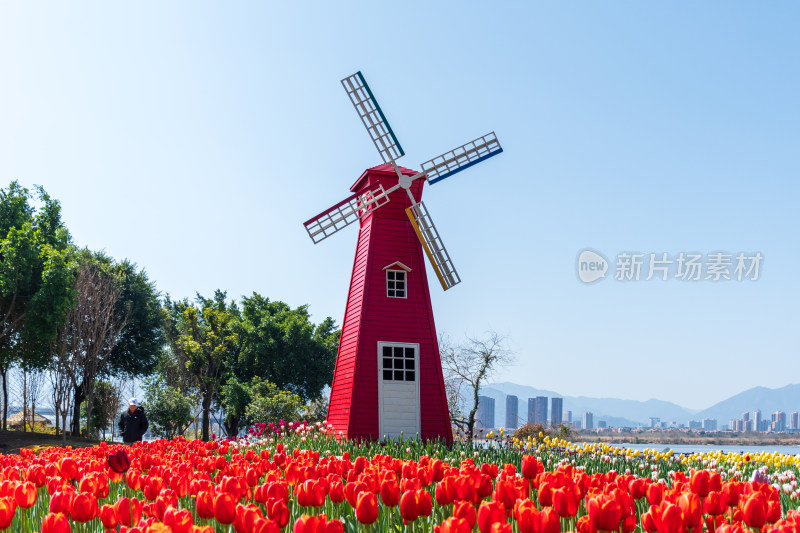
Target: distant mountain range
[(633, 413)]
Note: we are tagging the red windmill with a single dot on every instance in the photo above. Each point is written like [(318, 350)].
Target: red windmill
[(388, 377)]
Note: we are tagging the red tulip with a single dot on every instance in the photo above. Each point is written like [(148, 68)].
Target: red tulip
[(699, 482), (531, 467), (84, 507), (7, 510), (638, 488), (367, 508), (336, 492), (655, 493), (455, 525), (714, 504), (505, 493), (390, 493), (465, 510), (671, 519), (224, 508), (55, 523), (108, 516), (205, 505), (278, 511), (527, 516), (692, 510), (179, 521), (773, 511), (566, 500), (445, 491), (317, 524), (490, 513), (731, 491), (61, 501), (550, 522), (129, 511), (605, 512), (25, 495), (311, 493), (648, 522)]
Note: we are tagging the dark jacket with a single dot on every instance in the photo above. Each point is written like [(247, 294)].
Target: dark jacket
[(133, 426)]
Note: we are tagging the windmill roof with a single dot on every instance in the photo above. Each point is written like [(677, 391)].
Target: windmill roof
[(385, 168)]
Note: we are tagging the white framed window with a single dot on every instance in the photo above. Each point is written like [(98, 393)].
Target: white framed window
[(396, 283), (399, 363)]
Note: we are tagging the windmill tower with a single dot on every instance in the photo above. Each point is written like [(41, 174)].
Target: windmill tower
[(388, 375)]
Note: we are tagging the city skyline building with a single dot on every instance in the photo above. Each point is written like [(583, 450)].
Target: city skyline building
[(588, 422), (485, 415), (512, 412), (556, 409)]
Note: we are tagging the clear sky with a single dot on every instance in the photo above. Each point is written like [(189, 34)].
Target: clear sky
[(194, 138)]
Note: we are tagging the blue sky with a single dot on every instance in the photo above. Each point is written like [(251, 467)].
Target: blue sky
[(195, 138)]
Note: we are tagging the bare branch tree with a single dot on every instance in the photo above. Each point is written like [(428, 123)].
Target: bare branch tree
[(93, 329), (466, 369), (63, 366)]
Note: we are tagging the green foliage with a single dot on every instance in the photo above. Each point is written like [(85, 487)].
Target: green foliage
[(105, 406), (268, 403), (282, 344), (204, 337), (137, 350), (168, 410), (36, 273)]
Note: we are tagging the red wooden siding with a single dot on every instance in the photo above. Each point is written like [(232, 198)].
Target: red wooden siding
[(386, 236)]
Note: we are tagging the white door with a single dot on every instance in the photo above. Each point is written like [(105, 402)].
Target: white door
[(398, 389)]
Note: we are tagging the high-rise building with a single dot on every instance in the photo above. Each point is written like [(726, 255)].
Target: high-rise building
[(540, 410), (794, 421), (733, 423), (568, 417), (746, 416), (556, 408), (654, 421), (531, 410), (695, 424), (588, 422), (709, 424), (778, 421), (485, 414), (757, 420), (512, 412), (602, 424)]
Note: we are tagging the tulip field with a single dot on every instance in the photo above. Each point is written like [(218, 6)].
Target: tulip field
[(298, 478)]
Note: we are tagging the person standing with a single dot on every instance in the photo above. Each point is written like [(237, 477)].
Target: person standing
[(133, 422)]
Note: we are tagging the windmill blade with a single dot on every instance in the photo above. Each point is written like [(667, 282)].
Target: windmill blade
[(346, 212), (461, 158), (371, 115), (432, 243)]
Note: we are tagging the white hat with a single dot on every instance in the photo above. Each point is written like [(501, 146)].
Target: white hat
[(133, 401)]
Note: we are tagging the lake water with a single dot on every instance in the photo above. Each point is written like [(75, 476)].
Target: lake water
[(697, 448)]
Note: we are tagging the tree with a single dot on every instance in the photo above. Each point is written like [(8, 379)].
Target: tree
[(204, 337), (92, 329), (106, 404), (169, 411), (36, 277), (466, 369), (282, 345), (268, 404)]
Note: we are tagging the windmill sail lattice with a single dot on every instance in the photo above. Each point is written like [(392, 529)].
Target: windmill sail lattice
[(433, 245), (371, 115)]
